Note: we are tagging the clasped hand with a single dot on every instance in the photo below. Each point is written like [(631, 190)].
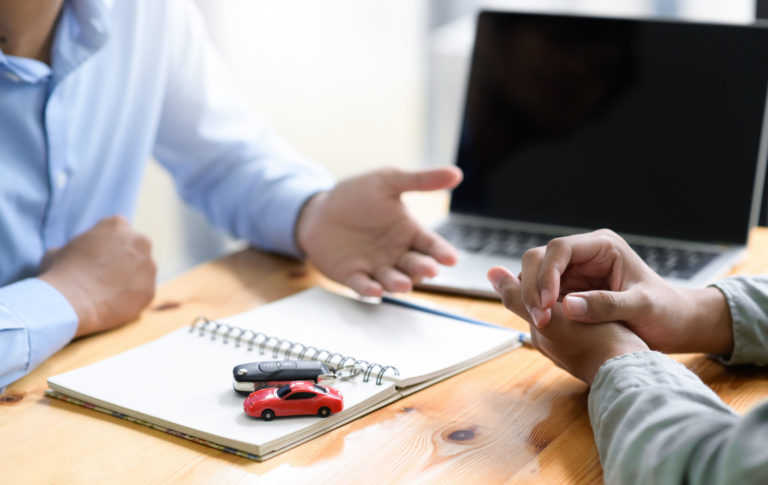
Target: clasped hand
[(590, 297)]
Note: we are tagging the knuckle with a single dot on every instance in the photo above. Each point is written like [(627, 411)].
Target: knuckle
[(390, 174), (611, 239), (143, 243), (389, 171), (533, 255), (116, 221), (609, 303), (390, 178), (557, 245), (613, 252), (604, 238), (607, 233), (611, 243)]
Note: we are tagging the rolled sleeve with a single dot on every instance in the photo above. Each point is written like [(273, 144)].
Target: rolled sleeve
[(747, 298), (655, 422), (35, 322)]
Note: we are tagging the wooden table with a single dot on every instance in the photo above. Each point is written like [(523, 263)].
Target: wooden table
[(515, 419)]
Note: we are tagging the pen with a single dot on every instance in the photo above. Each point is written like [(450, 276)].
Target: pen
[(523, 337)]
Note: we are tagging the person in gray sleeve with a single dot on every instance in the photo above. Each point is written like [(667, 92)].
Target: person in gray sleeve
[(598, 311)]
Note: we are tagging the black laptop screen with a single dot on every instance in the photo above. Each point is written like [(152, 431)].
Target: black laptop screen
[(645, 127)]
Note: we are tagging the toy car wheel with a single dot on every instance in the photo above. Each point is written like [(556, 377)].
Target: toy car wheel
[(324, 412), (267, 415)]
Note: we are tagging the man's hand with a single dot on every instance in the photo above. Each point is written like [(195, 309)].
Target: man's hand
[(361, 234), (579, 349), (598, 278), (107, 275)]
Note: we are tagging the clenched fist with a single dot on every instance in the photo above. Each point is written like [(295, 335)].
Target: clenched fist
[(107, 274)]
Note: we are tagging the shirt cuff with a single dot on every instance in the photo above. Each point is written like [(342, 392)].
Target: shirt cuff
[(641, 370), (747, 299), (48, 318), (283, 214)]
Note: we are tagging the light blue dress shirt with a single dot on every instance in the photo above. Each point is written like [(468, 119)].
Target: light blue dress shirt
[(128, 79)]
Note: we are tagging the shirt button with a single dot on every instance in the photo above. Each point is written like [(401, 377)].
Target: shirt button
[(13, 77), (61, 180)]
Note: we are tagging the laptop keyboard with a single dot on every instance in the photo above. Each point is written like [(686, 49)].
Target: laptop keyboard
[(666, 261)]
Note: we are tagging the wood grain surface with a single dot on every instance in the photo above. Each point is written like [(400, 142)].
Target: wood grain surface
[(514, 419)]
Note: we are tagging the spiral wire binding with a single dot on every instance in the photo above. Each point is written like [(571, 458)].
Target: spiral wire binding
[(252, 338)]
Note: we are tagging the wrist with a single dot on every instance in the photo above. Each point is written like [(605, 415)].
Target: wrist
[(304, 221), (78, 300), (707, 323), (621, 346)]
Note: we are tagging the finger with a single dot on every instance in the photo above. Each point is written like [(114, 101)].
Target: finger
[(417, 265), (601, 247), (508, 287), (400, 181), (364, 285), (142, 243), (606, 306), (551, 269), (531, 294), (431, 244), (393, 279)]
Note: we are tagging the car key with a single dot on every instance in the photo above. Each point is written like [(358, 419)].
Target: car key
[(276, 373)]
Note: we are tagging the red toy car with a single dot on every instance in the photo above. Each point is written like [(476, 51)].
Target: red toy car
[(296, 398)]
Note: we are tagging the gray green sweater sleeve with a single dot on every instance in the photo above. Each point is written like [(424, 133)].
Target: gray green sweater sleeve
[(747, 299), (656, 422)]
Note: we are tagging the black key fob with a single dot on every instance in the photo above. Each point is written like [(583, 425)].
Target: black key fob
[(276, 373)]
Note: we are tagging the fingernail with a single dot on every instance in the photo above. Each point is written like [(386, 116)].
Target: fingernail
[(577, 306), (544, 296), (536, 314)]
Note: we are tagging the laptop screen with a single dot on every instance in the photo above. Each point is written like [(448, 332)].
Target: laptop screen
[(645, 127)]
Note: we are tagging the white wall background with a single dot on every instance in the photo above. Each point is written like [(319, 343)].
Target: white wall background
[(356, 84), (343, 80)]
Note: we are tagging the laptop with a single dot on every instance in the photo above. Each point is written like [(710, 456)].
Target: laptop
[(655, 129)]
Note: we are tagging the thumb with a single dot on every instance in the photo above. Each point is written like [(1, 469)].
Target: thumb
[(602, 306), (428, 179)]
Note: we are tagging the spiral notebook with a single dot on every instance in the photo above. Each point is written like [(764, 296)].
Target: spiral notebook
[(181, 383)]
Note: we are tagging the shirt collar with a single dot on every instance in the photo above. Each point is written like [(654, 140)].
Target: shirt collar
[(19, 69), (92, 21), (83, 29)]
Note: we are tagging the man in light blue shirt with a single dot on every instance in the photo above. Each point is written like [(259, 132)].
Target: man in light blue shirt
[(89, 89)]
